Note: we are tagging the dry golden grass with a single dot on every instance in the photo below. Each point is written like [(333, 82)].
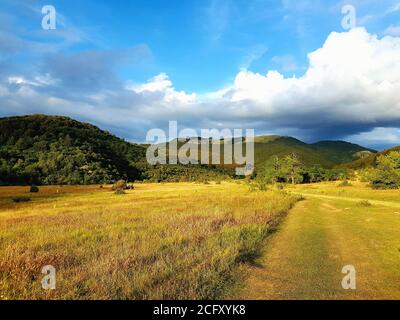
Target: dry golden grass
[(159, 241)]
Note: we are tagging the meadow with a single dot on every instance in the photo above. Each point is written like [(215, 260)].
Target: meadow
[(159, 241), (335, 226), (201, 241)]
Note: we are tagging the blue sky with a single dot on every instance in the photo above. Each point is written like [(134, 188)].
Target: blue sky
[(129, 66)]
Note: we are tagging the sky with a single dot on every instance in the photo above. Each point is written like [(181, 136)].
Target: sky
[(287, 67)]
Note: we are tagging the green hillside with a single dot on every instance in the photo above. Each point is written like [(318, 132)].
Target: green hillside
[(370, 161), (326, 153), (59, 150), (341, 151), (284, 146)]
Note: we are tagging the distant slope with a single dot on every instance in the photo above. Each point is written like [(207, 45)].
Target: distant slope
[(341, 151), (284, 146), (370, 161), (324, 153), (59, 150)]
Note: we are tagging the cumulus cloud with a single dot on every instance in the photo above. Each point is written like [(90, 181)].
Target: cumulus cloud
[(352, 85)]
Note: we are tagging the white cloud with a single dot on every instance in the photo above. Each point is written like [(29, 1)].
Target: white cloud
[(393, 8), (38, 81), (352, 85), (163, 85), (255, 54), (354, 77)]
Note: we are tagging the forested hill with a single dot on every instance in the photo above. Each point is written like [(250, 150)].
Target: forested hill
[(325, 153), (41, 149), (367, 162), (59, 150)]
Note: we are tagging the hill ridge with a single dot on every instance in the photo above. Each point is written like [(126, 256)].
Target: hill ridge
[(61, 150)]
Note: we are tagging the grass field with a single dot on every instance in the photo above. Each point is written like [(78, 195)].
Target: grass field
[(332, 228), (159, 241), (201, 241)]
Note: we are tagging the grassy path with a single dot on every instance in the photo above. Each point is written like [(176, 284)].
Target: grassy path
[(352, 199), (305, 257)]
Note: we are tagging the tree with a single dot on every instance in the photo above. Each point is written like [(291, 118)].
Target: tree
[(387, 173), (292, 168), (271, 172)]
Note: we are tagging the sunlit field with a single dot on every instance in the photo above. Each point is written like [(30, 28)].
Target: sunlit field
[(159, 241), (333, 227)]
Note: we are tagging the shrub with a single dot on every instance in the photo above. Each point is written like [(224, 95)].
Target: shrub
[(365, 203), (252, 187), (34, 189), (120, 184), (387, 173), (119, 192), (344, 183), (262, 186), (280, 186), (21, 199)]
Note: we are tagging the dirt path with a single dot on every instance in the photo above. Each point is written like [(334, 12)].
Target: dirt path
[(305, 257), (374, 202)]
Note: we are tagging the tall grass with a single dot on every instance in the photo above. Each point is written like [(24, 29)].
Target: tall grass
[(170, 241)]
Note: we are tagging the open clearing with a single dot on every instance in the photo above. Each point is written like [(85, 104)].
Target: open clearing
[(324, 233), (200, 241), (159, 241)]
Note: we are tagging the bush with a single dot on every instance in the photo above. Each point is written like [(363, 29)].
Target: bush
[(385, 179), (120, 185), (252, 187), (387, 173), (345, 183), (21, 199), (34, 189), (365, 203), (119, 192), (280, 186), (262, 186)]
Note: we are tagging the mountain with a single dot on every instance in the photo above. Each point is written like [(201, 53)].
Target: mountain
[(325, 153), (369, 161), (341, 151), (59, 150)]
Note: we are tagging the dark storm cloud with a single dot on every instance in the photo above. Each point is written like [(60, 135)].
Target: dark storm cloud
[(93, 70)]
